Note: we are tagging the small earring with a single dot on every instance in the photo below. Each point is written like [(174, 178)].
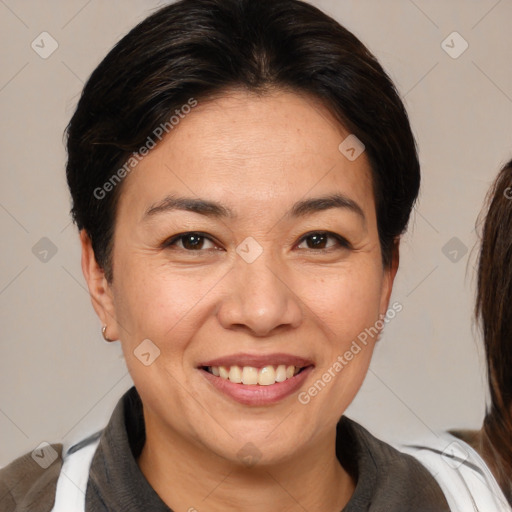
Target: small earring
[(103, 332)]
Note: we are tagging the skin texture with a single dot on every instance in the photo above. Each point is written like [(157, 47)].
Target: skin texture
[(257, 156)]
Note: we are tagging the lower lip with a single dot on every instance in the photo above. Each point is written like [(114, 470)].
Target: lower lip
[(256, 394)]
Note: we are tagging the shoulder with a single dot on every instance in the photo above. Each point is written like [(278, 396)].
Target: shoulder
[(29, 482), (383, 454), (386, 477), (463, 475)]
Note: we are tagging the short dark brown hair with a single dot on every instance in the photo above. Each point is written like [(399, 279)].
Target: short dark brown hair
[(199, 48)]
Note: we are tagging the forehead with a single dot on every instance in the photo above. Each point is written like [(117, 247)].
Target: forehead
[(253, 152)]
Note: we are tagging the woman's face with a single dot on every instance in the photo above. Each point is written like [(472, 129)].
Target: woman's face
[(246, 240)]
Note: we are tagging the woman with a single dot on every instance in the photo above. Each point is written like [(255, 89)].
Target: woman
[(475, 468), (241, 174)]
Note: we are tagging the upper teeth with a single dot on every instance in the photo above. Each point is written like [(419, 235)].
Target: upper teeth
[(250, 375)]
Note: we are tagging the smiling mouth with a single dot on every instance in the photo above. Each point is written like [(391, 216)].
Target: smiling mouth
[(252, 376)]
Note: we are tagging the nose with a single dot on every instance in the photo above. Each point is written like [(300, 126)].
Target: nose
[(260, 300)]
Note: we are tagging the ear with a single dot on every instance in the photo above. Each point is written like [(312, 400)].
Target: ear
[(389, 277), (99, 288)]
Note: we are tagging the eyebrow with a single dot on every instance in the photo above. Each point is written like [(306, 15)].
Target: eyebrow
[(318, 204), (214, 209), (201, 206)]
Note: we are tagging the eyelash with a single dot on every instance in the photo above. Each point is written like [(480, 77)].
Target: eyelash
[(341, 242)]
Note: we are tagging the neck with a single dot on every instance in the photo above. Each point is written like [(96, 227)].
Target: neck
[(195, 479)]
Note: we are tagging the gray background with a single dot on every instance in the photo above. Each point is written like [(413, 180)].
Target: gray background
[(59, 380)]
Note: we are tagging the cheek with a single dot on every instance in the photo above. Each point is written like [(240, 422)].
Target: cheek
[(153, 302), (347, 309), (346, 303)]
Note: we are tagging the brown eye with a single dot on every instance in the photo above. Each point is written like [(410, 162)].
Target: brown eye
[(190, 242), (322, 240), (317, 241)]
